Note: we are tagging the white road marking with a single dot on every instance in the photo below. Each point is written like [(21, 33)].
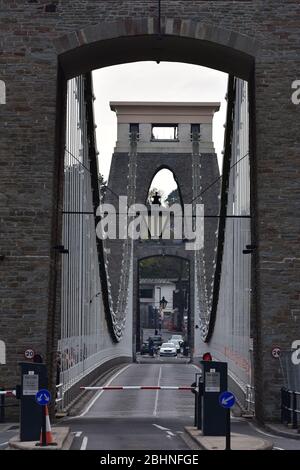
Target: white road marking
[(161, 427), (78, 434), (179, 432), (102, 391), (3, 443), (84, 443), (277, 448), (265, 433), (157, 393), (170, 433)]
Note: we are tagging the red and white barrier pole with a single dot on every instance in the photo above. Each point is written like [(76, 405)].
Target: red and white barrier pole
[(8, 393), (139, 387)]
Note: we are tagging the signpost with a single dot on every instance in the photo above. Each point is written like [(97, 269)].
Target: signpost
[(30, 383), (43, 398), (212, 381), (276, 352), (227, 400), (29, 353)]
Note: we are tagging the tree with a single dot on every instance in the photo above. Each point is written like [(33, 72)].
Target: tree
[(173, 198), (159, 267), (102, 185)]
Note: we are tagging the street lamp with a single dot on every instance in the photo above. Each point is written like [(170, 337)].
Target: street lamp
[(163, 303)]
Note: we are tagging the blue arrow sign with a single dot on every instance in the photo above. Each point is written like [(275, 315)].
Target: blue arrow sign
[(227, 399), (43, 397)]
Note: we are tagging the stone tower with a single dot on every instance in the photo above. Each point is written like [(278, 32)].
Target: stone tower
[(163, 135)]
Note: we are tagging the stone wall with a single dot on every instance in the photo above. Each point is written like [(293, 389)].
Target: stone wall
[(230, 35)]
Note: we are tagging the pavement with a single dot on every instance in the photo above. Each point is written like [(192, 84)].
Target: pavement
[(238, 441), (283, 431), (61, 437)]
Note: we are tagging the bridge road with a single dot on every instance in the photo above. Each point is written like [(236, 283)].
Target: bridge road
[(148, 420), (138, 419)]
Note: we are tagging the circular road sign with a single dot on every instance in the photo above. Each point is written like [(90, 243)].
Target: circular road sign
[(207, 356), (43, 397), (227, 399), (29, 353), (276, 352)]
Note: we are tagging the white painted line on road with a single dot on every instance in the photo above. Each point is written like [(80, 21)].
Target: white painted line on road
[(78, 434), (102, 391), (157, 392), (161, 427), (179, 432), (170, 433), (265, 433), (3, 443), (84, 443), (277, 448)]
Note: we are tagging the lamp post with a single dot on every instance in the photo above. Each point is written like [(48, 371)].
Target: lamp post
[(156, 310), (162, 305)]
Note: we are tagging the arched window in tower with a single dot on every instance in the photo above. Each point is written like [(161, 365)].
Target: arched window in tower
[(164, 195), (166, 187)]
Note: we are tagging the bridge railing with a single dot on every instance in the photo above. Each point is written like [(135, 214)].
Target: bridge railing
[(290, 370), (290, 408)]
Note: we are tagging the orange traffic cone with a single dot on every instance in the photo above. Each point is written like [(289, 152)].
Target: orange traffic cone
[(49, 436)]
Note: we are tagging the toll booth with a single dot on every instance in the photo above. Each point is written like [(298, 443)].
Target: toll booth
[(213, 383), (33, 378)]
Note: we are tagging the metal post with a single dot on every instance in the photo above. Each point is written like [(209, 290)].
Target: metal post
[(288, 404), (2, 407), (228, 431), (282, 405), (44, 440), (199, 404), (294, 399), (196, 409)]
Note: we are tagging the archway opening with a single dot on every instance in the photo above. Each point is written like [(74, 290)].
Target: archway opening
[(164, 184), (164, 310), (140, 48)]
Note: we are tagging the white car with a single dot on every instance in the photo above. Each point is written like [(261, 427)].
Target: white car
[(176, 344), (178, 338), (168, 349)]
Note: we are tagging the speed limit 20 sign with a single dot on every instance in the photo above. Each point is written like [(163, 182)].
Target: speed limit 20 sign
[(276, 352), (29, 353)]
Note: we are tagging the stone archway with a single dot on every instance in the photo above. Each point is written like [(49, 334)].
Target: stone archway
[(134, 40), (137, 39)]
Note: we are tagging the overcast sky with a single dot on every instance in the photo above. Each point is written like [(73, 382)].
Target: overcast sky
[(149, 81)]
